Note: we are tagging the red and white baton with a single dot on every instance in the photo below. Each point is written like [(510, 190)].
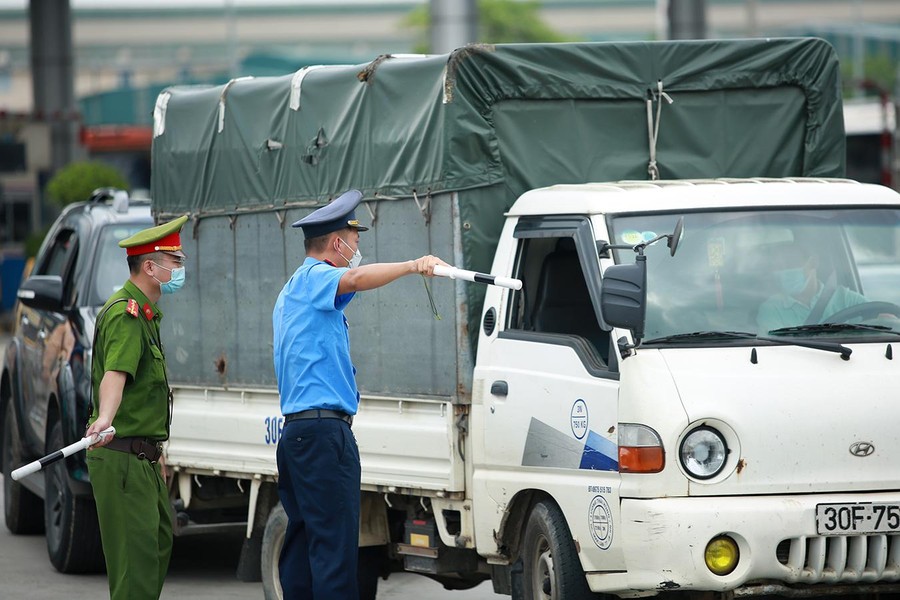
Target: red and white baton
[(34, 467), (454, 273)]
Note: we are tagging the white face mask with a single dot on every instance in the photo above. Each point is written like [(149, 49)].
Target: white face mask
[(354, 260)]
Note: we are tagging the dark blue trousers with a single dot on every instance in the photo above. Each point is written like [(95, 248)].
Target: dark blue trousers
[(318, 483)]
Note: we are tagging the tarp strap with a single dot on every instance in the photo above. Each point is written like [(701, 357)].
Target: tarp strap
[(222, 97), (424, 206), (297, 81), (159, 114), (653, 127), (373, 212)]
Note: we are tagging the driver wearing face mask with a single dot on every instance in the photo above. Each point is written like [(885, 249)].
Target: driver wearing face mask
[(803, 298)]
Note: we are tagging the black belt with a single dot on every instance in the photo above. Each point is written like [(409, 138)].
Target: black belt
[(144, 448), (319, 413)]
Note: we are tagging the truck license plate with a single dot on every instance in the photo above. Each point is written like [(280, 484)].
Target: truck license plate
[(855, 519)]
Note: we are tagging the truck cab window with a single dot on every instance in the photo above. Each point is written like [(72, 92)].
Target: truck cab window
[(554, 297)]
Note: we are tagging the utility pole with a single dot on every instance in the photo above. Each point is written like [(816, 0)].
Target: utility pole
[(687, 19), (454, 23), (53, 84)]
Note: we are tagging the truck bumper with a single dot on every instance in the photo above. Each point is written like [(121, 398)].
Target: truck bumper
[(664, 542)]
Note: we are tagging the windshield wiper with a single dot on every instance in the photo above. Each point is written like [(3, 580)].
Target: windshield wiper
[(703, 335), (832, 328), (737, 335)]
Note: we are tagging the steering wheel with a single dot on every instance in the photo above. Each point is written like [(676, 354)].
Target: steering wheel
[(864, 310)]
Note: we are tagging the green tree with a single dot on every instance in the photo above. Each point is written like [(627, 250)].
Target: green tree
[(76, 181), (499, 22), (879, 69)]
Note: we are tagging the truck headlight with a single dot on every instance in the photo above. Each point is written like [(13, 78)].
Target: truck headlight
[(703, 452)]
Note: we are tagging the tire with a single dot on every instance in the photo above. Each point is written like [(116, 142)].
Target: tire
[(552, 570), (23, 511), (371, 566), (273, 540), (73, 533)]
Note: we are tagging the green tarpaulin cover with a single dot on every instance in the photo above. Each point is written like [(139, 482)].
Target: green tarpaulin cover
[(519, 116), (492, 122)]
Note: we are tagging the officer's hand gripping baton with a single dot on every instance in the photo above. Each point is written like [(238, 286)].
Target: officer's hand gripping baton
[(69, 450), (454, 273)]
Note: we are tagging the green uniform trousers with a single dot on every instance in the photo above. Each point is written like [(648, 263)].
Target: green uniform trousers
[(135, 522)]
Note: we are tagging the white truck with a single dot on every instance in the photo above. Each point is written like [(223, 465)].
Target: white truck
[(624, 424)]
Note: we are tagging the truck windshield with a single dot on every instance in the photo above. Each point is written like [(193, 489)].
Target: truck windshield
[(110, 267), (788, 273)]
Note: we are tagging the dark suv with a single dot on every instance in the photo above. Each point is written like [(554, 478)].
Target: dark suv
[(45, 388)]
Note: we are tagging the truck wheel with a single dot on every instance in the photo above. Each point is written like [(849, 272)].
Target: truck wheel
[(552, 570), (73, 533), (22, 509), (371, 560), (273, 540), (372, 564)]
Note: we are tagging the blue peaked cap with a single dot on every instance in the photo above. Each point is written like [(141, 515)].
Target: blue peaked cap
[(339, 214)]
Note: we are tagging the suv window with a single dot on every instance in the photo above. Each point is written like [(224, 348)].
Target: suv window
[(110, 267), (60, 254)]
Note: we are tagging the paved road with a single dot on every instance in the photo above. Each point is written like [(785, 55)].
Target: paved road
[(202, 569)]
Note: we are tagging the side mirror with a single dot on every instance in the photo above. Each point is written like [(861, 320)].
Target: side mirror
[(675, 237), (42, 292), (623, 296)]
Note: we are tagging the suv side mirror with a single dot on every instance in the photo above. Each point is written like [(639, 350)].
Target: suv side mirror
[(42, 292), (623, 296)]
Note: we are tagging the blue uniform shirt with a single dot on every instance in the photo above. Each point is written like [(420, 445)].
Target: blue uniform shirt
[(782, 310), (312, 342)]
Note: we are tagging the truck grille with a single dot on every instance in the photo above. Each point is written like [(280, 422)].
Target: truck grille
[(840, 559)]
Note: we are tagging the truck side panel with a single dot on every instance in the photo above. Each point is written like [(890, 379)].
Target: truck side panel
[(219, 333)]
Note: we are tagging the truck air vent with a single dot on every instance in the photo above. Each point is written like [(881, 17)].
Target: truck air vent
[(833, 559), (490, 320)]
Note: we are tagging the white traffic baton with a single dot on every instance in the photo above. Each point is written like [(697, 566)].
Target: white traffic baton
[(454, 273), (34, 467)]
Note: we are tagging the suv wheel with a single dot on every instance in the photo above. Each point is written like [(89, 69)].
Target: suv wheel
[(73, 533), (22, 509)]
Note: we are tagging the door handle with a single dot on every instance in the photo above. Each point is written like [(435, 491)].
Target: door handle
[(500, 388), (42, 334), (25, 321)]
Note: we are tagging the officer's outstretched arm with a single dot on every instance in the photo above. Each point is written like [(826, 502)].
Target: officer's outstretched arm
[(369, 277)]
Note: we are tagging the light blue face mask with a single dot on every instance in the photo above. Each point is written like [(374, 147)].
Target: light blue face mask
[(175, 283), (792, 281)]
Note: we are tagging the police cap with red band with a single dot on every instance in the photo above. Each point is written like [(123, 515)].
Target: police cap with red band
[(162, 238)]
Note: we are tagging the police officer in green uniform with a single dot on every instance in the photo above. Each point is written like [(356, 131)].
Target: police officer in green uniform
[(131, 393)]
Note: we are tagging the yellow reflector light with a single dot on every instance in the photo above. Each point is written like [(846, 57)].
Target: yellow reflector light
[(722, 555)]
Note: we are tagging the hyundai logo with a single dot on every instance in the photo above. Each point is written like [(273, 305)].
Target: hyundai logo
[(861, 448)]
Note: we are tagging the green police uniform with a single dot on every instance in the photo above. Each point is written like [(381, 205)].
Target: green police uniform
[(131, 495)]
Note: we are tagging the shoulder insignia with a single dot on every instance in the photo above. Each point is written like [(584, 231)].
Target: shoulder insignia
[(148, 312), (132, 308)]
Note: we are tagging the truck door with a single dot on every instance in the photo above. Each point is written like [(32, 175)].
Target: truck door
[(549, 378)]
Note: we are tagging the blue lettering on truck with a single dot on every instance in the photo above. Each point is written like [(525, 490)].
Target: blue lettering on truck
[(274, 425)]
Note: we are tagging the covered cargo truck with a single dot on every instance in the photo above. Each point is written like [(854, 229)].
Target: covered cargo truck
[(441, 147)]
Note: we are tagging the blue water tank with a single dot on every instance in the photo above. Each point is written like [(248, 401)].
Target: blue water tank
[(11, 268)]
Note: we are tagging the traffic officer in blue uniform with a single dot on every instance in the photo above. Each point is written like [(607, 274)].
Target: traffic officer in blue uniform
[(318, 460)]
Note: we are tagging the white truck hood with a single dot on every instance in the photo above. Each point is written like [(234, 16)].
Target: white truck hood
[(797, 413)]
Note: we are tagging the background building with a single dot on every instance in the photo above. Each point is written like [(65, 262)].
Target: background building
[(126, 52)]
